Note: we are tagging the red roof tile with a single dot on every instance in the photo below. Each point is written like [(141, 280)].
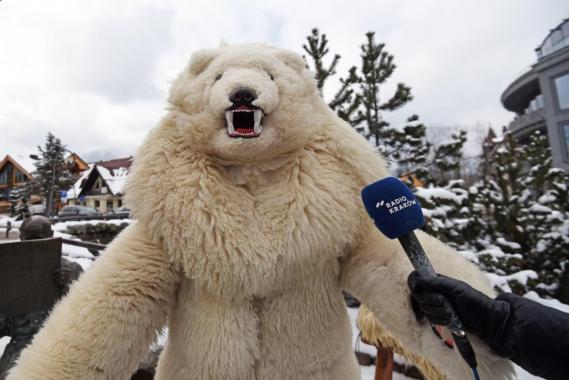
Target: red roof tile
[(116, 163)]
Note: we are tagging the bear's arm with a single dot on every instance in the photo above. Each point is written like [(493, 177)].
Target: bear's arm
[(110, 317), (376, 273)]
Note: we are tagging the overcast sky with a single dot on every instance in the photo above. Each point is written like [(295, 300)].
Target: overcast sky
[(96, 73)]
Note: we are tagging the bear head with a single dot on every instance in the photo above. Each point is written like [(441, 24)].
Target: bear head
[(245, 103)]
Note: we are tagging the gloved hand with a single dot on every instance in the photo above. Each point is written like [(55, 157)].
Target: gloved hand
[(479, 314)]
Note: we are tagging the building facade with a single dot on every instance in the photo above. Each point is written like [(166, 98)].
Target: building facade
[(540, 96), (102, 186), (12, 175), (76, 165)]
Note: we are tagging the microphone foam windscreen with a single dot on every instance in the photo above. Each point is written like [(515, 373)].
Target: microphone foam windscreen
[(393, 207)]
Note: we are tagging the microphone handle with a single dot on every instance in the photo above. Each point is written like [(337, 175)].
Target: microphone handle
[(423, 266)]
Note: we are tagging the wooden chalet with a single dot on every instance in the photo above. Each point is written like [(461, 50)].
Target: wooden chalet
[(101, 186), (76, 165), (12, 174)]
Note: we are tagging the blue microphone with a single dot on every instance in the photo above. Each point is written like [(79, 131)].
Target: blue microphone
[(396, 213)]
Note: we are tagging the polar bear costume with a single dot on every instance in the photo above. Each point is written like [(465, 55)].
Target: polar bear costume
[(249, 228)]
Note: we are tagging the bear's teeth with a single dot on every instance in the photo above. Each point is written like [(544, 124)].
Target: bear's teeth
[(229, 118), (257, 127)]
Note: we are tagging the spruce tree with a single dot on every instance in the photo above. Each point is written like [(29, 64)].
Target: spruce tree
[(52, 175), (448, 158), (545, 218), (445, 201), (411, 151), (520, 213), (19, 197)]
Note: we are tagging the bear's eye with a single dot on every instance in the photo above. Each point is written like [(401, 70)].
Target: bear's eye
[(218, 77), (271, 76)]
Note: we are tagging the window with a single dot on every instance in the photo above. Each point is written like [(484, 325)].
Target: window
[(6, 174), (556, 37), (565, 132), (20, 177), (562, 91), (119, 203), (109, 205), (97, 203)]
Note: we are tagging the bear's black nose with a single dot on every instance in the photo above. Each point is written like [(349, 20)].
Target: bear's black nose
[(243, 96)]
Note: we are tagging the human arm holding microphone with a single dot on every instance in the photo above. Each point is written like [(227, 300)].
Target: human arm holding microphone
[(534, 336), (376, 271)]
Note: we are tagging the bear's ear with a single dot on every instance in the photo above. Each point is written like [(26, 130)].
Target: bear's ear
[(292, 60), (200, 59)]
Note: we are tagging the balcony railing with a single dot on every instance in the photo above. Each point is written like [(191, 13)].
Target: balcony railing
[(525, 124)]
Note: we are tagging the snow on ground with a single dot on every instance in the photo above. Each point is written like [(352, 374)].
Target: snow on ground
[(3, 343), (80, 255)]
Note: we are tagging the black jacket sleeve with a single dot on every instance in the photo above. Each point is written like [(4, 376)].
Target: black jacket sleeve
[(535, 337)]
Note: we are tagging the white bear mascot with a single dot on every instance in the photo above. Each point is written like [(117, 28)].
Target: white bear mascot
[(249, 226)]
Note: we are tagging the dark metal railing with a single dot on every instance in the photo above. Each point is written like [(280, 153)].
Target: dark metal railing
[(525, 124), (75, 218), (94, 248)]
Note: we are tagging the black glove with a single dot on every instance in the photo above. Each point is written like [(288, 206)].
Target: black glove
[(479, 314)]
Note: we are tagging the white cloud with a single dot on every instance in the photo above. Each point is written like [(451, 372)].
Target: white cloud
[(96, 74)]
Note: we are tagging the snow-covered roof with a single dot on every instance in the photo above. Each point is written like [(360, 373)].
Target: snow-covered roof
[(114, 178), (113, 173), (75, 190)]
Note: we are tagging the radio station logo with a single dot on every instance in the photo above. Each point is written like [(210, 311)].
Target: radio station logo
[(397, 204)]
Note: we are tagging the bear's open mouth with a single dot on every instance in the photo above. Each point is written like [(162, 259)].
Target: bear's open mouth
[(244, 121)]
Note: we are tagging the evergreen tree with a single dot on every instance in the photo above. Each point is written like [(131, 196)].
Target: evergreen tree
[(444, 201), (411, 152), (377, 67), (317, 49), (522, 219), (448, 158), (19, 197), (545, 218), (52, 175), (508, 186), (345, 101), (358, 98)]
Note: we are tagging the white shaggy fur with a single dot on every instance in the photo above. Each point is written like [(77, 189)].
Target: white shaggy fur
[(243, 245)]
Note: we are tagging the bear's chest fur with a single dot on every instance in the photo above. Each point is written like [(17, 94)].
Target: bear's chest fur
[(241, 232)]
